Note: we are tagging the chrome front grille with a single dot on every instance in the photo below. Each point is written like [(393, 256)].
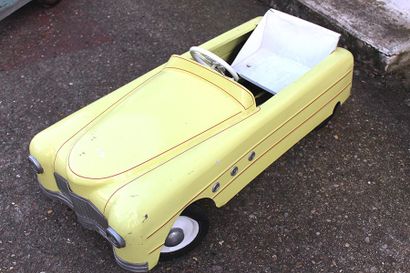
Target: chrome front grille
[(87, 214)]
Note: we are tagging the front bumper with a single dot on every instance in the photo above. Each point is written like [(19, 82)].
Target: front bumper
[(87, 214), (91, 218), (133, 267)]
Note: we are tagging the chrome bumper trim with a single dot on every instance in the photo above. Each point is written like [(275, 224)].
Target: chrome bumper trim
[(87, 214), (56, 196), (133, 267), (137, 267)]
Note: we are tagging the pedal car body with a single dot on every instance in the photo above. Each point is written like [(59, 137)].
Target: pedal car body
[(131, 162)]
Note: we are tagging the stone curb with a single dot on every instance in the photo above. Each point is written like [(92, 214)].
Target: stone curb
[(364, 53)]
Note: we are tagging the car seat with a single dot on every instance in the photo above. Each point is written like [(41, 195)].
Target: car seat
[(281, 49)]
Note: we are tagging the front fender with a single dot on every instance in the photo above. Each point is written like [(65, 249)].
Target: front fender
[(46, 145), (129, 216)]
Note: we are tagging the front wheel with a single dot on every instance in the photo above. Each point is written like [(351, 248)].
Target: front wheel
[(187, 232)]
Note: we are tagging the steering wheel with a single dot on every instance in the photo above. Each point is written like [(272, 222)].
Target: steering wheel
[(211, 60)]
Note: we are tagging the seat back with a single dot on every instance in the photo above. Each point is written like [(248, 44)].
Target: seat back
[(285, 39)]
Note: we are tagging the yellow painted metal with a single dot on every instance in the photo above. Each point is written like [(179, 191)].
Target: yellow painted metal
[(146, 151), (165, 115)]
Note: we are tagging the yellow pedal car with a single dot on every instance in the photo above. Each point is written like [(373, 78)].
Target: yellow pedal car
[(134, 164)]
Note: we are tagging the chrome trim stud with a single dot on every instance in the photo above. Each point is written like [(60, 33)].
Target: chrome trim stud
[(35, 164), (252, 156), (216, 187), (175, 237), (234, 171), (115, 238)]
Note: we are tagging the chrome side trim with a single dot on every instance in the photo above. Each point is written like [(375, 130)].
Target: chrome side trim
[(137, 267), (216, 186)]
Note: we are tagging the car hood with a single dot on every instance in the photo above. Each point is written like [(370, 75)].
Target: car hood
[(170, 112)]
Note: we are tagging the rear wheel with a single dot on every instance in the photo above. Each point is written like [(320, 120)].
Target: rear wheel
[(187, 232), (47, 3), (326, 121)]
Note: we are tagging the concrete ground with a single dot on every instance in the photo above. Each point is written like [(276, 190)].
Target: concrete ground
[(336, 202)]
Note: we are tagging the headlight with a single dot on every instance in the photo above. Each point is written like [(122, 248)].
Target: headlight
[(35, 164)]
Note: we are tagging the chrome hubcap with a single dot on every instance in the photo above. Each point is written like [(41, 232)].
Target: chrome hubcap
[(183, 232), (175, 236)]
